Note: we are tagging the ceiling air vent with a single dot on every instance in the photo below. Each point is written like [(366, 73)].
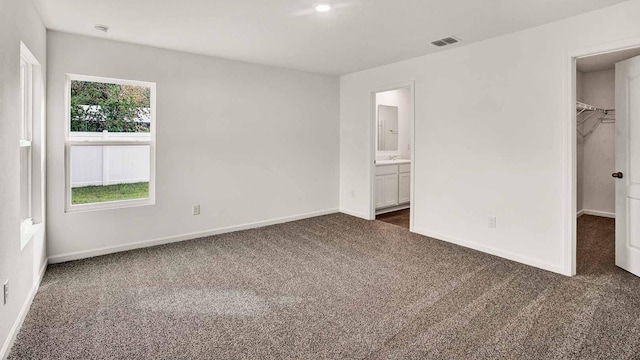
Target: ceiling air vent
[(446, 41)]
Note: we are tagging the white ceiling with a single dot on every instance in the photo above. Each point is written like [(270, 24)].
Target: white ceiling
[(355, 35), (605, 61)]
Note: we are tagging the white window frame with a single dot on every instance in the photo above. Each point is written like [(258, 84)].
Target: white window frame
[(27, 88), (69, 142)]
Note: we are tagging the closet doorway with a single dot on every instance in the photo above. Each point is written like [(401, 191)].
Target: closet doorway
[(607, 203), (392, 122)]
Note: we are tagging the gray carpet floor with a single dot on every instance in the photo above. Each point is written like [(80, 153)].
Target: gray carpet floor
[(333, 287)]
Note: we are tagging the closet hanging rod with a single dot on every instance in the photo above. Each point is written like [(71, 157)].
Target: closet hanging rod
[(583, 107), (580, 106)]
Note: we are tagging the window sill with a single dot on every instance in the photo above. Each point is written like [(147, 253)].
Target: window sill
[(110, 205), (27, 232)]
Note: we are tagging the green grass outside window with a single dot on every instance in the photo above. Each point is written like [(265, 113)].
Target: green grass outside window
[(98, 194)]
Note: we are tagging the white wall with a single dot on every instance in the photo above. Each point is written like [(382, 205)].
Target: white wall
[(249, 143), (598, 89), (19, 21), (491, 136), (400, 98)]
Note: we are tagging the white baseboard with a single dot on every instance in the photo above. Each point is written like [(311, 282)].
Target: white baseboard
[(171, 239), (6, 347), (493, 251), (596, 213), (355, 213)]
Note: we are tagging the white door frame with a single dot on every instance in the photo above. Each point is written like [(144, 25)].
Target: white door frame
[(372, 146), (571, 161)]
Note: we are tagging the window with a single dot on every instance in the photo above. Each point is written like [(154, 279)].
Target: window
[(26, 97), (110, 147), (29, 77)]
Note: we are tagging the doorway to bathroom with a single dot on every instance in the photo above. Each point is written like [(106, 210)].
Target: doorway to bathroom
[(392, 168)]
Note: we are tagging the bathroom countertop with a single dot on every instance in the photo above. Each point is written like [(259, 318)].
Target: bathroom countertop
[(393, 162)]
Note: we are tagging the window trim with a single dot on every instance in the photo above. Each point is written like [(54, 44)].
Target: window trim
[(27, 114), (117, 204)]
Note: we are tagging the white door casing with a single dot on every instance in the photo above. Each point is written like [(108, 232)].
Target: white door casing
[(628, 163)]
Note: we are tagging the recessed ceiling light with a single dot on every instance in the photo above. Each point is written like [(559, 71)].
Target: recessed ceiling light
[(323, 7), (103, 28)]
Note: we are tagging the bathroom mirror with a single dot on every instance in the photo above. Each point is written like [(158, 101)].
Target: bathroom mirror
[(387, 128)]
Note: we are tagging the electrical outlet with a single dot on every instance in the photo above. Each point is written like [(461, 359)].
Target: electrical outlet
[(353, 194), (6, 292), (492, 222), (196, 209)]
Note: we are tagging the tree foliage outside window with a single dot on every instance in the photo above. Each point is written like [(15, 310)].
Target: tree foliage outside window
[(96, 107)]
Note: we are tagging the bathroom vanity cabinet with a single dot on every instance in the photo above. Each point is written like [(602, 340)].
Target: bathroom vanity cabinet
[(393, 185)]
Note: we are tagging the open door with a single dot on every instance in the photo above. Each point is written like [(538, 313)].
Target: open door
[(628, 165)]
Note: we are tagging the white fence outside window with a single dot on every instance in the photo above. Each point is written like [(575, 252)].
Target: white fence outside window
[(109, 165)]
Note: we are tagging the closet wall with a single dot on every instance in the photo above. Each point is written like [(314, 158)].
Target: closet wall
[(580, 148), (596, 152)]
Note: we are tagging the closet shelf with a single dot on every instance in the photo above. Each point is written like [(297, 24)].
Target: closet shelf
[(606, 116), (582, 107)]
